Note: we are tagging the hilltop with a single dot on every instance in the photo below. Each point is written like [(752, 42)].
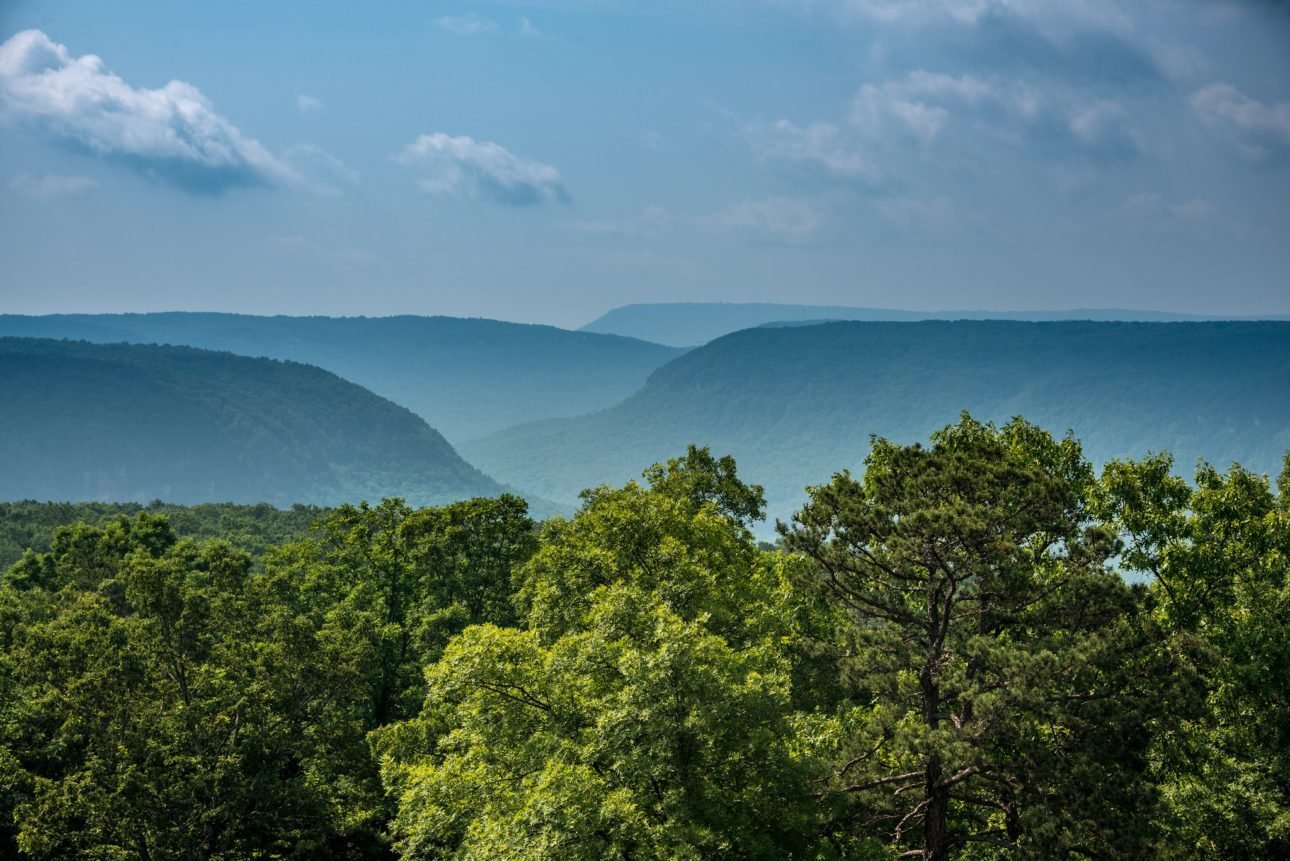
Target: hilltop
[(135, 423), (688, 324), (794, 404), (466, 377)]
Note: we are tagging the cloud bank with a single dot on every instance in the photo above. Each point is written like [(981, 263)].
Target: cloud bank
[(1261, 130), (464, 167), (172, 133)]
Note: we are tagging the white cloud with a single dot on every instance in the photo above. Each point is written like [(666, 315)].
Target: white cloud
[(924, 105), (464, 167), (789, 219), (1102, 123), (306, 103), (528, 30), (1102, 14), (1259, 129), (50, 186), (466, 25), (172, 132), (817, 145), (321, 171)]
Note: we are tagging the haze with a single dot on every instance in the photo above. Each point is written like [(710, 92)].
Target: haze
[(547, 161)]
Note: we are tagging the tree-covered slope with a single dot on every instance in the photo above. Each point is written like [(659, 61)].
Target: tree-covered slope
[(29, 525), (466, 377), (121, 423), (793, 404), (686, 324)]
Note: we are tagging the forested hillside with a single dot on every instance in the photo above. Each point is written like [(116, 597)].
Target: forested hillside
[(466, 377), (688, 324), (135, 423), (943, 659), (29, 525), (795, 403)]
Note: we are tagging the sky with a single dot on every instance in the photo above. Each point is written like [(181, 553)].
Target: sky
[(545, 161)]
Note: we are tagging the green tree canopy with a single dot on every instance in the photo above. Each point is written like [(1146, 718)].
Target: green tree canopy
[(1218, 553), (1004, 685), (643, 711)]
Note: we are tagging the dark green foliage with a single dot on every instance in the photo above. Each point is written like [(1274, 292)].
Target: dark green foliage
[(89, 422), (942, 659), (794, 404), (1218, 553), (165, 699), (254, 528), (438, 367), (1005, 688)]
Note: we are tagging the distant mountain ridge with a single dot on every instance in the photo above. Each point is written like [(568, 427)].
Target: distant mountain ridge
[(466, 377), (795, 404), (134, 423), (689, 324)]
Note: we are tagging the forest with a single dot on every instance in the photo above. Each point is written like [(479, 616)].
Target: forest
[(133, 423), (983, 646), (820, 390)]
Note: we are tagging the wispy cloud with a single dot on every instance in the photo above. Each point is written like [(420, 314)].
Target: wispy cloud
[(319, 170), (306, 103), (820, 146), (1103, 14), (1260, 129), (1095, 41), (528, 30), (924, 105), (467, 25), (173, 133), (49, 186), (464, 167), (785, 218)]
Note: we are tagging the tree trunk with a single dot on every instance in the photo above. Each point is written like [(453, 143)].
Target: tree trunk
[(937, 797)]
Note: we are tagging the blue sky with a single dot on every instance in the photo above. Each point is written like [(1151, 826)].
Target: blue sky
[(546, 161)]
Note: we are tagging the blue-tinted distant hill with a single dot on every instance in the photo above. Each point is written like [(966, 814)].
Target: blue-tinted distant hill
[(466, 377), (125, 423), (795, 404), (688, 324)]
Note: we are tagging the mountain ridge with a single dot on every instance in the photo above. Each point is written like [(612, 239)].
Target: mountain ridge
[(140, 422), (435, 366), (688, 324), (795, 404)]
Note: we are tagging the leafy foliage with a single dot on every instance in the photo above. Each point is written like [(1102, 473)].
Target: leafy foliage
[(644, 710), (31, 525), (1003, 681), (942, 659), (161, 699), (1219, 552)]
